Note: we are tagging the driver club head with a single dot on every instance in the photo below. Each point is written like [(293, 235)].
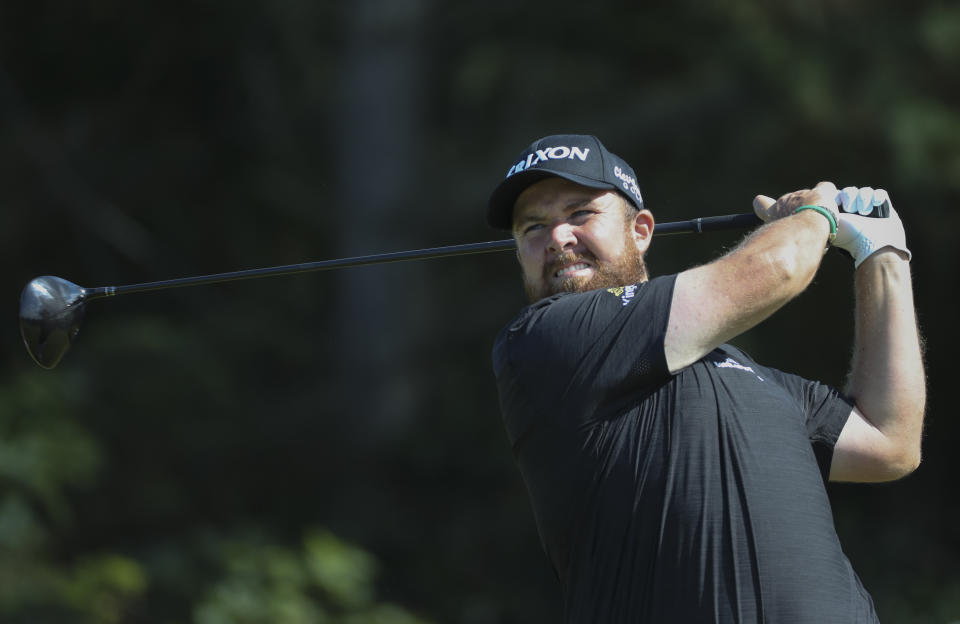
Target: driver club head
[(51, 309)]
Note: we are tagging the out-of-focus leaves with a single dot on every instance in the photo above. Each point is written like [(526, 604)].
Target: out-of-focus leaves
[(20, 531), (325, 581), (343, 571), (101, 587), (42, 451), (940, 31), (926, 139)]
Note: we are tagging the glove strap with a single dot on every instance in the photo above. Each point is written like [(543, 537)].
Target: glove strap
[(864, 247), (829, 215)]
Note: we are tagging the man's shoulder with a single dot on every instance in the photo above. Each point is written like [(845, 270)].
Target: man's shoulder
[(571, 318), (528, 318), (615, 297)]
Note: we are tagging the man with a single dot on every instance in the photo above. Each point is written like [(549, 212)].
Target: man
[(672, 478)]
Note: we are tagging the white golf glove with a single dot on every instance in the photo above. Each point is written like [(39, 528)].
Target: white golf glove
[(862, 235)]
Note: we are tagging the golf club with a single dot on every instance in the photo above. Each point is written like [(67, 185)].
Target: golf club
[(52, 308)]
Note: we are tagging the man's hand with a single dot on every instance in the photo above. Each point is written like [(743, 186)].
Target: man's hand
[(864, 200), (823, 194), (861, 236)]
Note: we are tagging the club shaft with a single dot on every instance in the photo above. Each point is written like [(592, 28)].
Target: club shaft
[(306, 267), (702, 224)]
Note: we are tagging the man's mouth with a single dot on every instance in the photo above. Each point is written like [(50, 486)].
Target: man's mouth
[(571, 270)]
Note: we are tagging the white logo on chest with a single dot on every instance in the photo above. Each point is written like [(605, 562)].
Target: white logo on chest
[(732, 363)]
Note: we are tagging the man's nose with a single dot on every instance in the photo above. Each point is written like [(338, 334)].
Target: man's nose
[(562, 236)]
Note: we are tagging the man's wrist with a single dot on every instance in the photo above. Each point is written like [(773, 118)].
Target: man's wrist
[(886, 255), (826, 213)]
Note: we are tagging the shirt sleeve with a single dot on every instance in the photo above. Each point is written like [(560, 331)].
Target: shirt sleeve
[(576, 353)]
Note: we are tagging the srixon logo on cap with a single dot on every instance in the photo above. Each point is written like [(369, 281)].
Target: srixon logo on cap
[(550, 153)]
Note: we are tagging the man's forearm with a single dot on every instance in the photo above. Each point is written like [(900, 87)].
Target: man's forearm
[(887, 377), (771, 267)]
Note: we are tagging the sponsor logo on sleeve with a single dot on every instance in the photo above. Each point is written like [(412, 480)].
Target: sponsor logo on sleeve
[(625, 293)]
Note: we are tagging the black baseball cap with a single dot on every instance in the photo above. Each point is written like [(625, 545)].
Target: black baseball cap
[(579, 158)]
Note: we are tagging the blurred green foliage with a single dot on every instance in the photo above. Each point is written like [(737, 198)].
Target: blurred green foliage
[(177, 465), (326, 581)]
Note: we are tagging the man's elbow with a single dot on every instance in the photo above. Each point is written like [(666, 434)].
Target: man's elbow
[(907, 449), (896, 449), (903, 461)]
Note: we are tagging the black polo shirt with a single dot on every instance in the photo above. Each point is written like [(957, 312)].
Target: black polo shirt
[(692, 497)]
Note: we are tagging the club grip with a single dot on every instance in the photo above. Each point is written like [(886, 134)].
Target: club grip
[(882, 211), (878, 212)]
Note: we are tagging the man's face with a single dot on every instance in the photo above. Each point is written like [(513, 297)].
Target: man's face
[(571, 238)]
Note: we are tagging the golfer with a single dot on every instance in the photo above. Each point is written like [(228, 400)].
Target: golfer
[(672, 477)]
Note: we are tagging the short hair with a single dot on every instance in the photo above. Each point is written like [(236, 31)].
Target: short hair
[(630, 209)]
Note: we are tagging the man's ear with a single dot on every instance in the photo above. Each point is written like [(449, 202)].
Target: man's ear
[(643, 224)]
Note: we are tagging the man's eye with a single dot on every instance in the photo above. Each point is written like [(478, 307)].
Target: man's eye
[(532, 228), (578, 214)]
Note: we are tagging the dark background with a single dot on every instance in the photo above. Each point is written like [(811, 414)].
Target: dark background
[(328, 447)]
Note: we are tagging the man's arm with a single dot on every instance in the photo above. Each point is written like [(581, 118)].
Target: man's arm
[(716, 302), (881, 440)]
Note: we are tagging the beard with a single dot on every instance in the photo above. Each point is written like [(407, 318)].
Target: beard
[(629, 268)]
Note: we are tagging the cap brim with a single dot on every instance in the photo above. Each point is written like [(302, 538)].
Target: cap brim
[(500, 207)]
